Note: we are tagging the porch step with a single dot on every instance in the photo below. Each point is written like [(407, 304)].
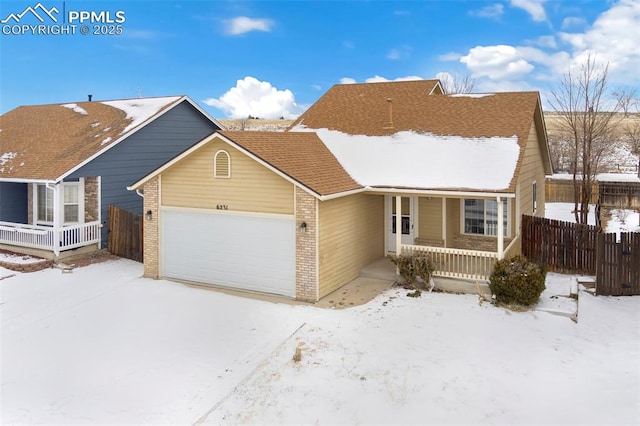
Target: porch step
[(66, 269)]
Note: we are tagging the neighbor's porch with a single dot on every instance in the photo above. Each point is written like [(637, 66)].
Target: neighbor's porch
[(50, 216), (458, 231)]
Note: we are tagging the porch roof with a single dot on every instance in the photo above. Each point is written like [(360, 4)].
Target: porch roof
[(43, 143)]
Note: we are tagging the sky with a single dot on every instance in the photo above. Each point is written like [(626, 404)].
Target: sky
[(273, 59)]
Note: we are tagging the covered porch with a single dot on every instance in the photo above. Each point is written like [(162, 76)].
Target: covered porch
[(49, 216), (458, 231)]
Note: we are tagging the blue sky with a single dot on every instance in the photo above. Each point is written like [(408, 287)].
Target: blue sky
[(275, 58)]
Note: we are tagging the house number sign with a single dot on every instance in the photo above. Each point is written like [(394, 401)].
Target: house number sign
[(222, 207)]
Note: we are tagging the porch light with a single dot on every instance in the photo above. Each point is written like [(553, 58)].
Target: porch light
[(303, 228), (149, 215)]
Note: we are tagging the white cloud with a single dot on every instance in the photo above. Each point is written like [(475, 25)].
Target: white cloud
[(613, 38), (493, 11), (544, 41), (399, 52), (242, 24), (532, 7), (257, 98), (348, 44), (316, 87), (496, 62), (572, 21), (451, 56), (379, 79)]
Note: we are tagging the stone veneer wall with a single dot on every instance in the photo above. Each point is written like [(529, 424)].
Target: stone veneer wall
[(30, 203), (151, 252), (306, 247), (91, 201)]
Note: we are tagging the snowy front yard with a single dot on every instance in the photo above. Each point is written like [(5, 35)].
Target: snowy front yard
[(102, 345)]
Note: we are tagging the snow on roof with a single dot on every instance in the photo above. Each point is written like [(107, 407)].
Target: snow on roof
[(422, 160), (140, 110), (601, 177), (5, 158), (617, 177), (76, 108), (470, 95)]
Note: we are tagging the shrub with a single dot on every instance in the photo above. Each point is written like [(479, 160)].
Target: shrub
[(516, 280), (412, 266)]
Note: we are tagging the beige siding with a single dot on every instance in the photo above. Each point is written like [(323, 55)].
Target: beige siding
[(532, 169), (351, 235), (251, 187), (430, 218)]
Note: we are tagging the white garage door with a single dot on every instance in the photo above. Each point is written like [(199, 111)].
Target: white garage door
[(240, 251)]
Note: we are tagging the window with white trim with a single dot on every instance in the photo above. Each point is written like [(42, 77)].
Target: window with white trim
[(222, 164), (71, 199), (44, 196), (71, 203), (480, 217)]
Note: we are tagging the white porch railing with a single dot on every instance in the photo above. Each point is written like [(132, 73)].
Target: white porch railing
[(44, 237), (456, 263)]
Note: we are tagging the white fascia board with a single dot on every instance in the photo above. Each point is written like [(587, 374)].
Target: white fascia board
[(441, 193), (123, 137), (21, 180)]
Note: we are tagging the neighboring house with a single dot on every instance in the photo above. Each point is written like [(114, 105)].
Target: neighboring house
[(61, 165), (300, 213)]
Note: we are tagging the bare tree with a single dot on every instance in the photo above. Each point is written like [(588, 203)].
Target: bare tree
[(627, 100), (580, 101), (457, 84)]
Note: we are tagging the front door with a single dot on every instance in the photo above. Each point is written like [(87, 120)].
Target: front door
[(406, 221)]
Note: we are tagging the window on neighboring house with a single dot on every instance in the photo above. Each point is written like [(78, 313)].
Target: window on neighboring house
[(70, 198), (222, 164), (71, 203), (45, 203), (481, 217), (534, 194)]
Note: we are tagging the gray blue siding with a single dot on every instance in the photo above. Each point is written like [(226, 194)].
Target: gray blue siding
[(14, 202), (141, 153)]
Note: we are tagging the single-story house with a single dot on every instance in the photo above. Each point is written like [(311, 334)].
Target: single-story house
[(61, 165), (367, 171)]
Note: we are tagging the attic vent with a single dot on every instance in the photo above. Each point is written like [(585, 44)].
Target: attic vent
[(389, 125), (222, 164)]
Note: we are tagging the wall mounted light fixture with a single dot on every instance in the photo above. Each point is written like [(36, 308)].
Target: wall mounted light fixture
[(149, 215), (303, 228)]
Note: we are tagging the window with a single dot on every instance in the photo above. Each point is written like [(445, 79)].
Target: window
[(71, 199), (534, 195), (71, 203), (45, 203), (481, 217), (222, 164)]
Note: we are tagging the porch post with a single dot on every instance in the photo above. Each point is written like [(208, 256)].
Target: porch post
[(444, 221), (500, 228), (58, 211)]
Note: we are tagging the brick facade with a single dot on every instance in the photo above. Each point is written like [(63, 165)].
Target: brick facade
[(91, 201), (306, 247), (151, 252)]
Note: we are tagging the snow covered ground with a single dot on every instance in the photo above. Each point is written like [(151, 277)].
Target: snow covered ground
[(102, 345)]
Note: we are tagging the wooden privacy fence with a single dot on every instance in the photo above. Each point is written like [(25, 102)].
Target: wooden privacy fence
[(618, 262), (572, 248), (125, 233), (562, 246)]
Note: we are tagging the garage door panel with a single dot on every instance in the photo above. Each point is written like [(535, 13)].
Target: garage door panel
[(247, 252)]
